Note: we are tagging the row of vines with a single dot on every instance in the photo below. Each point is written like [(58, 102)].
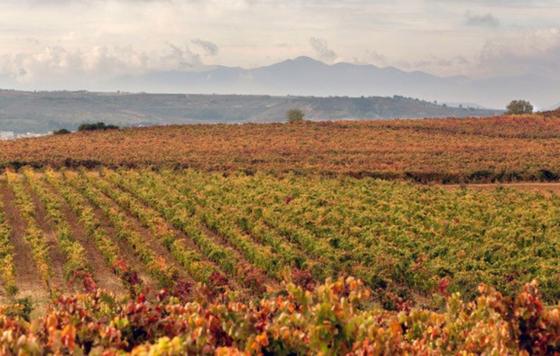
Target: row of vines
[(250, 233), (338, 317), (215, 263), (502, 148), (396, 236), (7, 268)]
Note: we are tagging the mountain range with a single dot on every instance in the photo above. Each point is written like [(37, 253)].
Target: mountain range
[(304, 76)]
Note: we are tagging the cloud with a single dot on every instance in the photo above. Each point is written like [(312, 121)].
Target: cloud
[(210, 48), (128, 36), (321, 48), (56, 63), (487, 20), (534, 52), (179, 57)]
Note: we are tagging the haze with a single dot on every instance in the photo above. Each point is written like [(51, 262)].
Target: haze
[(93, 44)]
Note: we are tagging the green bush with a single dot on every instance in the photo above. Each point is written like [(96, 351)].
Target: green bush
[(519, 107), (100, 126), (61, 132), (295, 115)]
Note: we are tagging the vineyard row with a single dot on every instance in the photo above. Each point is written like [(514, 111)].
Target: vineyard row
[(249, 233)]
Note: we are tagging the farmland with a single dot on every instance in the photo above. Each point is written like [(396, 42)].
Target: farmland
[(521, 148), (239, 247), (299, 238), (250, 232)]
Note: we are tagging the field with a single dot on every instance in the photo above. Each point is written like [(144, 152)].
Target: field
[(447, 150), (210, 237), (265, 239), (251, 232)]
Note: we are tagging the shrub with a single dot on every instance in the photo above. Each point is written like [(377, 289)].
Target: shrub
[(519, 107), (61, 132), (295, 115), (338, 317), (100, 126)]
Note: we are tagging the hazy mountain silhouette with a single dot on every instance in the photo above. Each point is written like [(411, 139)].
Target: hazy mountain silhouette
[(310, 77), (300, 76)]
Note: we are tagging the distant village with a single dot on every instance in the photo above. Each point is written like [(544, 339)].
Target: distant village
[(10, 135)]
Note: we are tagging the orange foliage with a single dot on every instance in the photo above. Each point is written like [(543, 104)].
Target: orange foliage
[(450, 150)]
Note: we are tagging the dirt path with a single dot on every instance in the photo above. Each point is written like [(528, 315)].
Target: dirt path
[(102, 273), (29, 282), (242, 262), (124, 249), (149, 239), (546, 189), (56, 256), (178, 234), (248, 268)]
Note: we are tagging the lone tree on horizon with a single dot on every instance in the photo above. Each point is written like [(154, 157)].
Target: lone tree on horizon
[(295, 115), (519, 107)]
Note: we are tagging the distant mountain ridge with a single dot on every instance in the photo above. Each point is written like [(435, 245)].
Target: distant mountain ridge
[(38, 112), (300, 76), (305, 76)]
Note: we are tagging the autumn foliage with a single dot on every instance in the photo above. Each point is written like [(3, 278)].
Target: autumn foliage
[(507, 148), (255, 257), (337, 317)]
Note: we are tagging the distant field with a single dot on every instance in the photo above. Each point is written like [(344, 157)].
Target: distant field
[(436, 150)]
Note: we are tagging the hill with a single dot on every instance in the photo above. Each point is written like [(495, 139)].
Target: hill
[(47, 111), (281, 250), (449, 150)]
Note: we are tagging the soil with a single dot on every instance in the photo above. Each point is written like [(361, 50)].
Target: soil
[(29, 282), (102, 272), (546, 189)]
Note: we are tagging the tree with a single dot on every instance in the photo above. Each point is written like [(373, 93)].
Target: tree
[(518, 107), (100, 126), (295, 115), (61, 132)]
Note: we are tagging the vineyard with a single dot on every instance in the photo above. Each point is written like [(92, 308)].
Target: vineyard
[(187, 261), (520, 148)]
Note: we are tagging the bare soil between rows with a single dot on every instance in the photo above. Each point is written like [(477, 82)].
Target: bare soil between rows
[(547, 189)]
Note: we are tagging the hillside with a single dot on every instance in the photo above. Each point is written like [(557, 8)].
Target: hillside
[(46, 111), (286, 244), (448, 150)]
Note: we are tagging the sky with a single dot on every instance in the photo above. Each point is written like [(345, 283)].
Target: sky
[(62, 40)]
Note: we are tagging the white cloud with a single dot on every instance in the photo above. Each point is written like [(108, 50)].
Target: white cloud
[(531, 52), (322, 49), (101, 38), (95, 63)]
